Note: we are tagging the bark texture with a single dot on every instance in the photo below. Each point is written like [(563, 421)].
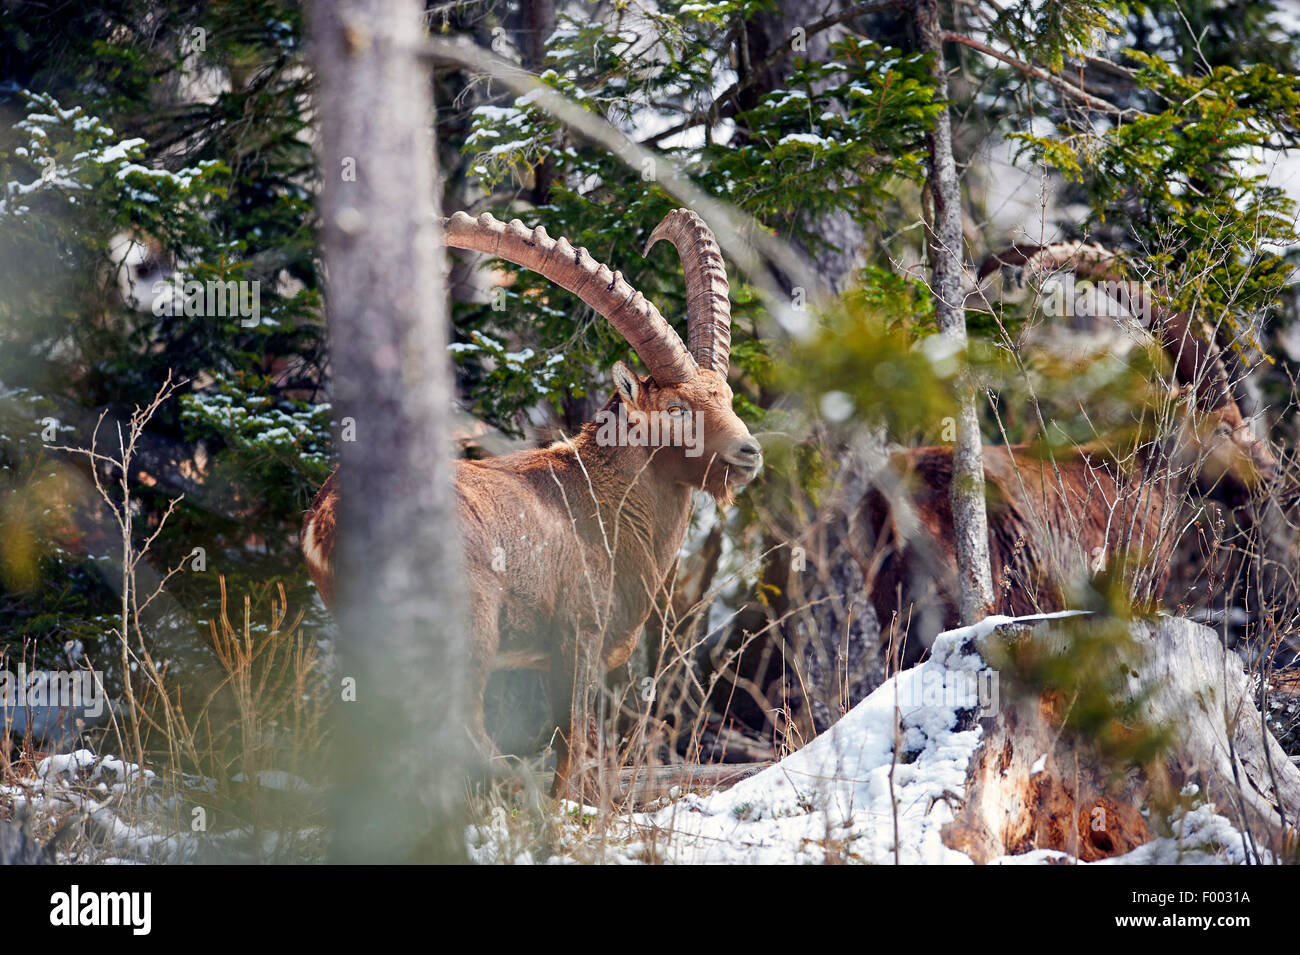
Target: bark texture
[(970, 521)]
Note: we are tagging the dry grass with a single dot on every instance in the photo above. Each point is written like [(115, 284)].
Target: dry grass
[(234, 761)]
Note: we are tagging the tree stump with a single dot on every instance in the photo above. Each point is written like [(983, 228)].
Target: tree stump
[(1036, 783)]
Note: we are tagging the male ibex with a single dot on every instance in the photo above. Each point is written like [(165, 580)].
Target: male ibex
[(567, 546), (1052, 519)]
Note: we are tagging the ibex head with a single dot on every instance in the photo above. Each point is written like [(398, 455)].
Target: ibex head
[(1233, 462), (696, 437), (1230, 461), (682, 410)]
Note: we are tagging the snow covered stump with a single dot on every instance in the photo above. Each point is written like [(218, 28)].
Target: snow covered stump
[(1033, 785)]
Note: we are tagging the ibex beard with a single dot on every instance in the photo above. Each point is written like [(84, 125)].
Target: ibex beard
[(567, 547)]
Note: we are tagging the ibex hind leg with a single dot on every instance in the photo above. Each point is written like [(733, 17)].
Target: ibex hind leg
[(575, 683), (477, 723), (494, 768)]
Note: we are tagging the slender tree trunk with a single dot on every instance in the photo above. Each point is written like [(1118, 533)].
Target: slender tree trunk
[(969, 517), (402, 744), (537, 24), (763, 32)]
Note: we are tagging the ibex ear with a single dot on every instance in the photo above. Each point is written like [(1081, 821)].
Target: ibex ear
[(627, 383)]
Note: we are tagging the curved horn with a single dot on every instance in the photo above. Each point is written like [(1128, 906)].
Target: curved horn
[(638, 321), (708, 307), (1189, 343)]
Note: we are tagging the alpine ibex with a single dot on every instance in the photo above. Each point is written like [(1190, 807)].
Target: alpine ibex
[(568, 545), (1051, 519)]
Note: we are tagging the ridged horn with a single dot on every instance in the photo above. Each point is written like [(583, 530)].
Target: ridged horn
[(638, 321), (1189, 343), (708, 305)]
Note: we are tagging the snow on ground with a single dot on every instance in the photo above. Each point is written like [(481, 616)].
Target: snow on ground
[(117, 801), (847, 796), (107, 811), (837, 795), (877, 787)]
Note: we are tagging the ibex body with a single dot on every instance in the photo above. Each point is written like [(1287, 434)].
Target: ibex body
[(567, 546), (1054, 520)]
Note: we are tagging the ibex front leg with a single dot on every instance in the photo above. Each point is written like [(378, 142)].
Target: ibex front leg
[(575, 684)]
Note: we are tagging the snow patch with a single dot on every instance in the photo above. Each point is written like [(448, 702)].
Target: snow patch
[(877, 787)]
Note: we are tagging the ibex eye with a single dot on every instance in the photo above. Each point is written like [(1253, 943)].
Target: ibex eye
[(677, 411)]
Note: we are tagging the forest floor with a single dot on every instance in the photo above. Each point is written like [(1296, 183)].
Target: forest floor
[(877, 788)]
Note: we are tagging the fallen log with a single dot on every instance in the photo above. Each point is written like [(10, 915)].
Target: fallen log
[(638, 786)]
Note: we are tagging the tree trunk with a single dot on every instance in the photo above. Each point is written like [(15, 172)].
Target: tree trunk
[(401, 742), (763, 32), (969, 518), (537, 24), (824, 658)]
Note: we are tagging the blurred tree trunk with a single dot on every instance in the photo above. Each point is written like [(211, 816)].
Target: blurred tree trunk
[(969, 517), (401, 746), (762, 34), (537, 23)]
